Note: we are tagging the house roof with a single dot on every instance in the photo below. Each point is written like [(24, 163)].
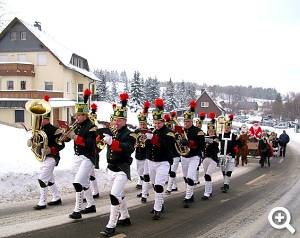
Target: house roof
[(216, 103), (62, 53)]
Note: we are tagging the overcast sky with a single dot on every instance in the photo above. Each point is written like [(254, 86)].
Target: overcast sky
[(237, 42)]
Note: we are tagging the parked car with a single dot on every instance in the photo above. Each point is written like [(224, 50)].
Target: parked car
[(282, 125)]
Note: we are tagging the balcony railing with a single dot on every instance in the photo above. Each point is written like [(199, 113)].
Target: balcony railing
[(30, 94), (16, 69)]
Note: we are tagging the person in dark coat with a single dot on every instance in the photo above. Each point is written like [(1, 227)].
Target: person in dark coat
[(283, 140)]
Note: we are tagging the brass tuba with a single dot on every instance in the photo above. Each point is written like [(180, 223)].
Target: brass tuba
[(38, 108), (183, 150)]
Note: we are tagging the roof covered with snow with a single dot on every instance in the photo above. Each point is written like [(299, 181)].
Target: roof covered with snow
[(62, 53)]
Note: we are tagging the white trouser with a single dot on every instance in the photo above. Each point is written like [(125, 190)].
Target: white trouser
[(209, 166), (47, 168), (94, 183), (118, 181), (83, 167), (145, 185), (172, 184), (140, 164), (159, 172), (46, 175), (189, 170), (189, 166), (229, 166)]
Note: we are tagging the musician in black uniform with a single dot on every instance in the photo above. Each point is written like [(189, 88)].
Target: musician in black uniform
[(160, 158), (84, 138), (190, 161), (172, 183), (199, 123), (229, 152), (120, 146), (211, 159), (141, 153), (52, 157)]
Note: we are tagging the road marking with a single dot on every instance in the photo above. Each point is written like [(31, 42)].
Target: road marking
[(121, 235), (225, 200), (281, 160), (254, 180)]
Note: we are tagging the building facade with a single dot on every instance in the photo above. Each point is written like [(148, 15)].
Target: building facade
[(33, 65)]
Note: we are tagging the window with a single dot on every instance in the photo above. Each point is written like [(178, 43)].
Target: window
[(10, 85), (80, 87), (41, 59), (80, 92), (23, 85), (49, 86), (13, 36), (204, 104), (19, 116), (21, 57), (23, 35)]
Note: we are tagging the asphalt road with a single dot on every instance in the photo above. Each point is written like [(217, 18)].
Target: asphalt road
[(242, 212)]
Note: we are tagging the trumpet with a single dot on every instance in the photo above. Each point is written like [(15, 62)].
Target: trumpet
[(141, 139), (65, 134), (179, 139), (112, 129)]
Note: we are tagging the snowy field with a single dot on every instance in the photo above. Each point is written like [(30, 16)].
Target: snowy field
[(19, 168)]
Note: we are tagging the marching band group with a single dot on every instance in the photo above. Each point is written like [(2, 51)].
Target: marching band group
[(158, 152)]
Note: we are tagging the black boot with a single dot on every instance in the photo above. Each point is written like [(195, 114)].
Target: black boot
[(225, 188), (204, 198), (54, 203), (124, 222), (143, 200), (108, 232), (96, 196), (139, 195), (38, 207), (138, 186), (75, 215), (87, 210), (156, 215)]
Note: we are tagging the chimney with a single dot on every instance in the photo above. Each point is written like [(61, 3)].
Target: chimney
[(202, 90), (38, 25)]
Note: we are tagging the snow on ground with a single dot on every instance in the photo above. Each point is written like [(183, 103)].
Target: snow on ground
[(19, 169)]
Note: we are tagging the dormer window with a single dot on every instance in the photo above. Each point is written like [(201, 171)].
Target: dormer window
[(23, 35), (13, 36)]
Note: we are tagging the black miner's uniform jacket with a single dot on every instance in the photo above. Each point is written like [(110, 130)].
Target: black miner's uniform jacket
[(212, 149), (162, 145), (50, 131), (86, 140), (119, 152), (196, 141), (231, 144)]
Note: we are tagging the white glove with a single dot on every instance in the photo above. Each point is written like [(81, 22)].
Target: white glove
[(149, 136), (107, 139), (46, 151), (29, 142)]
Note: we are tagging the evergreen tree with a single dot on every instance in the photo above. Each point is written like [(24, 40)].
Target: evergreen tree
[(181, 94), (137, 91), (151, 89), (170, 96), (190, 92), (101, 88), (277, 107), (114, 93), (124, 79)]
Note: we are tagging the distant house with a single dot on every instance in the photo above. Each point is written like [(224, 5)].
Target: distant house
[(32, 65), (204, 104)]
